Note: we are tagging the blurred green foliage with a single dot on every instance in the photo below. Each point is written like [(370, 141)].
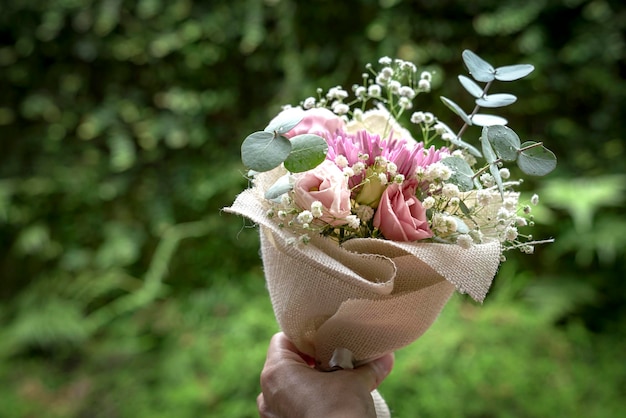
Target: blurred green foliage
[(124, 292)]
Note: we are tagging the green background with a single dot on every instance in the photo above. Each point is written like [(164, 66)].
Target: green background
[(125, 292)]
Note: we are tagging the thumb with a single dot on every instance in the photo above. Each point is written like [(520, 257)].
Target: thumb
[(374, 372)]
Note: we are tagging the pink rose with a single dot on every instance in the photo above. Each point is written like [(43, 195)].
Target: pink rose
[(400, 215), (318, 121), (325, 183)]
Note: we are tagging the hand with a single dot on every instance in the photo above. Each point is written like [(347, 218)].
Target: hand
[(291, 388)]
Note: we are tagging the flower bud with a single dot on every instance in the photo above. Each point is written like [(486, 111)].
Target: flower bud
[(371, 191)]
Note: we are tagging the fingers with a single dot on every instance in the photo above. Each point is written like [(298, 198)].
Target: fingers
[(282, 349), (283, 367), (374, 372), (260, 404), (264, 411)]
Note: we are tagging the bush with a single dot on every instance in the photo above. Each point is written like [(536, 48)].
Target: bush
[(125, 291)]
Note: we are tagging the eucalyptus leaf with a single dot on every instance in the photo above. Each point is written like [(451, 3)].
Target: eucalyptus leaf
[(495, 172), (536, 160), (471, 87), (308, 151), (262, 151), (480, 69), (285, 121), (461, 227), (469, 147), (491, 158), (505, 141), (456, 109), (279, 188), (480, 119), (488, 152), (496, 100), (513, 72), (461, 173), (462, 144)]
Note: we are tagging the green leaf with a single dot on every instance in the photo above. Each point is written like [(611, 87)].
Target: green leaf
[(262, 151), (488, 152), (505, 141), (466, 211), (285, 121), (536, 160), (491, 158), (488, 120), (513, 72), (495, 172), (471, 87), (480, 69), (279, 188), (469, 147), (54, 321), (600, 191), (308, 151), (456, 109), (461, 173), (496, 100)]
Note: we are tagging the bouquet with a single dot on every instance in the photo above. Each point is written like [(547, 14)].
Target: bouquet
[(372, 213)]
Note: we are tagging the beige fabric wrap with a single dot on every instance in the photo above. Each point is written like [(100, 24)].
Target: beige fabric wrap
[(369, 296), (345, 305)]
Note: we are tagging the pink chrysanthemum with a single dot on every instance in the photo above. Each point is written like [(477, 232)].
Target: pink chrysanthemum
[(406, 155)]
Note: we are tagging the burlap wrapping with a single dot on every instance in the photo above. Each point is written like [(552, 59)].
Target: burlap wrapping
[(348, 304)]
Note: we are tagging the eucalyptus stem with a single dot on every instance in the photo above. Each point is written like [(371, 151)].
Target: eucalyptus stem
[(531, 146), (499, 160), (474, 111), (485, 168)]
